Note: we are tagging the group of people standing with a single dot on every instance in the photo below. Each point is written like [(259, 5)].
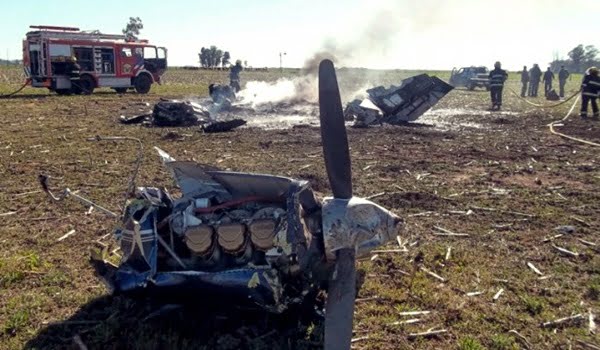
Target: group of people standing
[(530, 81)]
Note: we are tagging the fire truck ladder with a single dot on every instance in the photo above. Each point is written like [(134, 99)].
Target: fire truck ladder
[(52, 32), (98, 60)]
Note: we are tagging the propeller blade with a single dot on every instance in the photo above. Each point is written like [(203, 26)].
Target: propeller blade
[(339, 310), (333, 133)]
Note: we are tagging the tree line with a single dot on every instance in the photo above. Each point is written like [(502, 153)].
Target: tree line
[(213, 57), (580, 58)]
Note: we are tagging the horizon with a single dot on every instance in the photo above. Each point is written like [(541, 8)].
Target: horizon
[(431, 35)]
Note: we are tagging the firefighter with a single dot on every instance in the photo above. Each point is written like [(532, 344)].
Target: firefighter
[(590, 88), (548, 78), (73, 69), (524, 81), (234, 76), (535, 74), (497, 78), (563, 75)]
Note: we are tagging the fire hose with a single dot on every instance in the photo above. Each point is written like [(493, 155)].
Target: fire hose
[(555, 123), (16, 91), (545, 106)]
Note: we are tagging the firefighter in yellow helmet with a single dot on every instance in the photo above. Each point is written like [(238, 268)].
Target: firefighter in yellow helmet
[(590, 88), (73, 69), (497, 78)]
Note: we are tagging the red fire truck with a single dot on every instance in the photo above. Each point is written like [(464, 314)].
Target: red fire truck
[(68, 60)]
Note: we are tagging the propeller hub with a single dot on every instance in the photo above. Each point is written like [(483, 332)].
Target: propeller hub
[(357, 223)]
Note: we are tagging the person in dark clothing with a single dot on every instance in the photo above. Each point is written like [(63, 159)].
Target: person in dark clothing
[(524, 81), (497, 78), (535, 75), (72, 68), (234, 76), (548, 78), (590, 88), (563, 75)]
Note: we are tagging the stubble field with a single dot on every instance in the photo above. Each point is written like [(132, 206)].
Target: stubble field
[(501, 178)]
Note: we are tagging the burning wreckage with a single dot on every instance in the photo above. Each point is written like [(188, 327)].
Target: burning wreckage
[(175, 113), (259, 240), (397, 104)]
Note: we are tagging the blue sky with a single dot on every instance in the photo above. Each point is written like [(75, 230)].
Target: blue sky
[(425, 34)]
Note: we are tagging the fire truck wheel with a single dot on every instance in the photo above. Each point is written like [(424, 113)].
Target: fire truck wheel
[(86, 85), (120, 90), (143, 84)]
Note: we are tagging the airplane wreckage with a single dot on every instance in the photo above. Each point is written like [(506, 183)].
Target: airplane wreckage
[(175, 113), (260, 241), (397, 105)]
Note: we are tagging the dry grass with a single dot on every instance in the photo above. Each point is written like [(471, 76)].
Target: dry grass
[(511, 164)]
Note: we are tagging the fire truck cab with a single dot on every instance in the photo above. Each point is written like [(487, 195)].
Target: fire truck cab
[(69, 61)]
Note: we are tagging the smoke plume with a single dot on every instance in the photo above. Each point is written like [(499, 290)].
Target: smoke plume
[(372, 41)]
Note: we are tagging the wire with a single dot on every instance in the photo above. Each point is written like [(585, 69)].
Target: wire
[(545, 106)]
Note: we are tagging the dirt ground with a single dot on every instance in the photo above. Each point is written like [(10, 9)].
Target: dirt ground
[(502, 178)]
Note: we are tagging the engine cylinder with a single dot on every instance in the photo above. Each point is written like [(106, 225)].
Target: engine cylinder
[(231, 237), (262, 233), (199, 239)]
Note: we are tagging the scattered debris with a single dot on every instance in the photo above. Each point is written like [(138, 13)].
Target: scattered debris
[(397, 104), (8, 213), (474, 294), (523, 340), (376, 195), (375, 298), (588, 243), (256, 241), (591, 323), (534, 269), (429, 333), (588, 345), (581, 221), (433, 274), (411, 321), (449, 233), (448, 252), (566, 251), (179, 113), (63, 237), (223, 126), (414, 313), (563, 321), (553, 238), (359, 339), (516, 213), (176, 113), (498, 294), (566, 229)]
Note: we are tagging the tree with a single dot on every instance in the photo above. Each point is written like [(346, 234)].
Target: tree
[(591, 54), (213, 57), (577, 55), (225, 59), (204, 57), (132, 29)]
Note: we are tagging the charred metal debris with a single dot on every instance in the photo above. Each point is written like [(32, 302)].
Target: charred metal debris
[(397, 104), (176, 113)]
